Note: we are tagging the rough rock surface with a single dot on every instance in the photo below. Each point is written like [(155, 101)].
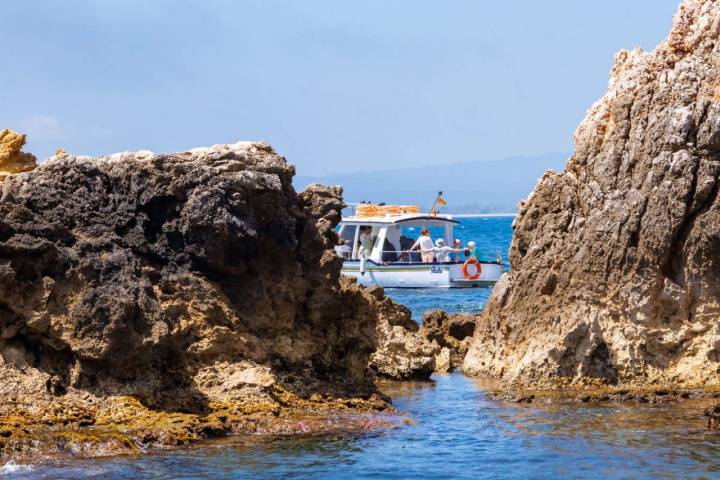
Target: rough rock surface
[(615, 262), (12, 158), (168, 297), (402, 353), (451, 333)]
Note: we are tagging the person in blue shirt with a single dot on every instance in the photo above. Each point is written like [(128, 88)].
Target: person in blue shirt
[(471, 250)]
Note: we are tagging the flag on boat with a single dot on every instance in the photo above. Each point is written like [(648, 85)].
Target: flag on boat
[(438, 201)]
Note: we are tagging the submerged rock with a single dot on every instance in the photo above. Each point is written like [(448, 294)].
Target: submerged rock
[(615, 262), (12, 158), (193, 294)]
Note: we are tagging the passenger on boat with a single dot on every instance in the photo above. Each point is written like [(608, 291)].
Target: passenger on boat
[(457, 253), (344, 250), (443, 252), (471, 250), (366, 241), (425, 244)]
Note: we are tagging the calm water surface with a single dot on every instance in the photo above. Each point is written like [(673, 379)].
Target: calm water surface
[(458, 434)]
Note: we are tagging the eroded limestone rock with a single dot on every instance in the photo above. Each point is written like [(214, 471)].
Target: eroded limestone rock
[(615, 262), (12, 158), (452, 333), (402, 353), (198, 284)]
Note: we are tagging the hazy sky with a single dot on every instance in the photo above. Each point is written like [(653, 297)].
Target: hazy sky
[(335, 86)]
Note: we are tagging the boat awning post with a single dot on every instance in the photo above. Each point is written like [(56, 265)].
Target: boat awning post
[(448, 234), (355, 242), (377, 253)]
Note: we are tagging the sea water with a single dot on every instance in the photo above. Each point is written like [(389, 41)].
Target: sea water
[(458, 434), (456, 431)]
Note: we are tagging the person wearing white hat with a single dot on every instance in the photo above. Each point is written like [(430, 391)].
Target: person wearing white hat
[(442, 252), (471, 250)]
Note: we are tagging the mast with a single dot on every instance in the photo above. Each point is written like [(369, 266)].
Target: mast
[(438, 200)]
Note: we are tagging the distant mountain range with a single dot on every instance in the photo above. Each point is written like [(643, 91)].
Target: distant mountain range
[(469, 187)]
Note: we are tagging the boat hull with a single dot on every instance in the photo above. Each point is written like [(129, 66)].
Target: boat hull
[(419, 275)]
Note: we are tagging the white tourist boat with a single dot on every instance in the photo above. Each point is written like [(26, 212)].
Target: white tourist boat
[(394, 230)]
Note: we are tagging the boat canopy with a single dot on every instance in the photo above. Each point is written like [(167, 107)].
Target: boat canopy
[(418, 218), (368, 213)]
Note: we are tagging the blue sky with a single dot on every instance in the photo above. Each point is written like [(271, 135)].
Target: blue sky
[(335, 86)]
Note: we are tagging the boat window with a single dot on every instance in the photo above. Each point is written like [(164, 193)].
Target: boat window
[(391, 251), (347, 232)]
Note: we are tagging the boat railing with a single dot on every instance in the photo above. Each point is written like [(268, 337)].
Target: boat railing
[(414, 256), (408, 256)]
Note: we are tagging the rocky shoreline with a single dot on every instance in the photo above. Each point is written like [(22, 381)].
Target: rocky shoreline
[(154, 300), (613, 292), (82, 426)]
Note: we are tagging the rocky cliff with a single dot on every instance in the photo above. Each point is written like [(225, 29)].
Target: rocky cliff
[(162, 298), (615, 262)]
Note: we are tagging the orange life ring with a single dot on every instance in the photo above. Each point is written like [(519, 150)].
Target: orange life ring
[(471, 261)]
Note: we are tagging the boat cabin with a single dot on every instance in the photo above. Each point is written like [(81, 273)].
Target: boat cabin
[(394, 232)]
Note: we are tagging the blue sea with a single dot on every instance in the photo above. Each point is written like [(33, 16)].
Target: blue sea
[(457, 432)]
